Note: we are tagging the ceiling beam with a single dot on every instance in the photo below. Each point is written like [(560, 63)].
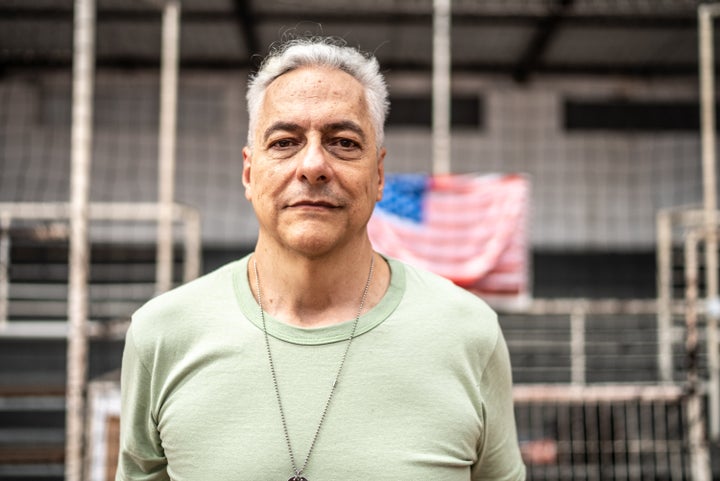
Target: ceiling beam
[(545, 32), (47, 63), (246, 22), (19, 13)]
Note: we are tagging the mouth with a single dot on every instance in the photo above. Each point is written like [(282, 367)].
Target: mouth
[(318, 204)]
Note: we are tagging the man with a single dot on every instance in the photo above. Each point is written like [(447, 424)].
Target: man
[(315, 357)]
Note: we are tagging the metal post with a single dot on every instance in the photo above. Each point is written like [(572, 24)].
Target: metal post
[(706, 14), (664, 293), (577, 344), (4, 267), (193, 241), (699, 456), (166, 148), (81, 154), (441, 87)]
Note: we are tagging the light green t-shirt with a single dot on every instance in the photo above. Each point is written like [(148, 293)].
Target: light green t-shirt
[(425, 392)]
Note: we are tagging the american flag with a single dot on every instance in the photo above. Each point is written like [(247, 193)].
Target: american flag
[(471, 229)]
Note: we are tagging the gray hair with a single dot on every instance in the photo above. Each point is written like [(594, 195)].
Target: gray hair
[(322, 52)]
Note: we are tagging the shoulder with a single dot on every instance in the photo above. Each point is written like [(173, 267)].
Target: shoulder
[(179, 309), (447, 307), (422, 286)]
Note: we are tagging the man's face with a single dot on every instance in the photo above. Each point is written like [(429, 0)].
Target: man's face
[(314, 172)]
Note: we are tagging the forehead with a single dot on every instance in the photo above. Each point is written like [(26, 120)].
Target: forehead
[(314, 93)]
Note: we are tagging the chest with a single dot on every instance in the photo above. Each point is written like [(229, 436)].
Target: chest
[(391, 417)]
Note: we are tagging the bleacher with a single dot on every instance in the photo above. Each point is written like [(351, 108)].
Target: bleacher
[(33, 344), (34, 276)]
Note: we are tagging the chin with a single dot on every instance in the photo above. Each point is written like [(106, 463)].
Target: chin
[(315, 243), (311, 237)]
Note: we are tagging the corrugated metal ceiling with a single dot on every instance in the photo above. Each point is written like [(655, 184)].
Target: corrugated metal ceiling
[(521, 38)]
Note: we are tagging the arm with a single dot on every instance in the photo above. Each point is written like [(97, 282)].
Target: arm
[(498, 453), (141, 454)]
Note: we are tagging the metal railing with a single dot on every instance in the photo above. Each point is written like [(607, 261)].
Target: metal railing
[(188, 217)]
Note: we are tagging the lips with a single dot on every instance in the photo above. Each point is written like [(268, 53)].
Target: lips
[(314, 203)]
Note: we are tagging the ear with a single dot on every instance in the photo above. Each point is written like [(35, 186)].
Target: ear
[(246, 175), (381, 173)]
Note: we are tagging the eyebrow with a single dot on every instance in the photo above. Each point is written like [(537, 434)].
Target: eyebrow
[(332, 127), (346, 125), (280, 126)]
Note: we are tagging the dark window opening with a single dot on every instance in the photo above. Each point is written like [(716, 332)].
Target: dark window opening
[(416, 111), (631, 116)]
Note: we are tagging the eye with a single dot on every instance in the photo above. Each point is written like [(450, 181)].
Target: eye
[(345, 148), (283, 147), (347, 143), (282, 144)]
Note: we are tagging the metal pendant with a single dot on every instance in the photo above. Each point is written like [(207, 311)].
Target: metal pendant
[(297, 478)]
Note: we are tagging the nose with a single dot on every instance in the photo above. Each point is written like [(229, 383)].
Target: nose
[(313, 164)]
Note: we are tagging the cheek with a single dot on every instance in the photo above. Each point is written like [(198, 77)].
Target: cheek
[(261, 196), (374, 187), (370, 195), (264, 181), (268, 190)]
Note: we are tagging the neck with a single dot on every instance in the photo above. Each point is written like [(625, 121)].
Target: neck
[(314, 292)]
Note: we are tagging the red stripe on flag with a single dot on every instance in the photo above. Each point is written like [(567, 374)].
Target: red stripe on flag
[(473, 232)]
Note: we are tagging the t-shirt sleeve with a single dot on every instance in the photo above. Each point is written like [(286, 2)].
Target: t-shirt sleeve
[(141, 455), (499, 456)]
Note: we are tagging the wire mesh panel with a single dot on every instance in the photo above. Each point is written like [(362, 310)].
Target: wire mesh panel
[(608, 432), (33, 274), (604, 153), (673, 228), (583, 341)]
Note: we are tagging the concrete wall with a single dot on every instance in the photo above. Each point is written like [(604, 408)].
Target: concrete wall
[(591, 190)]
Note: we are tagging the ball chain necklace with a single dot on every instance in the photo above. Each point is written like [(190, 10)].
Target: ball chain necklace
[(298, 476)]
